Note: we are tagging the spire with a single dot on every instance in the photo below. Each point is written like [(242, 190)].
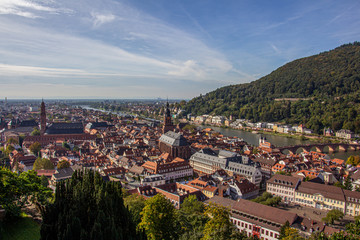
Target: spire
[(42, 118)]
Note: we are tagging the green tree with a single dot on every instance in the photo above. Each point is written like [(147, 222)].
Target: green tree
[(135, 203), (86, 207), (35, 148), (12, 141), (9, 149), (35, 132), (268, 199), (292, 234), (63, 164), (353, 228), (282, 230), (66, 145), (158, 218), (44, 181), (17, 190), (43, 163), (219, 226), (192, 219), (332, 216), (347, 183), (353, 160)]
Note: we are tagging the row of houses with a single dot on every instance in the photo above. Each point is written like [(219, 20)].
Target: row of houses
[(320, 196)]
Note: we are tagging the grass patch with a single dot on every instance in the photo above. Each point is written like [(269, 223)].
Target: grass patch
[(23, 228)]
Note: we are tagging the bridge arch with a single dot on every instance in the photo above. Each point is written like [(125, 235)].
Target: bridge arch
[(316, 148)]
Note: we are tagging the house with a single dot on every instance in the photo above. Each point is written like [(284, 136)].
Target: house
[(344, 133), (256, 219), (176, 169), (320, 196), (153, 180), (283, 186), (207, 161), (243, 189)]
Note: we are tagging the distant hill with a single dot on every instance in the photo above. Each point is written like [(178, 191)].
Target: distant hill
[(319, 91)]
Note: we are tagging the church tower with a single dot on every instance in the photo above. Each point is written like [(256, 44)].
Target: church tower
[(168, 126), (42, 118)]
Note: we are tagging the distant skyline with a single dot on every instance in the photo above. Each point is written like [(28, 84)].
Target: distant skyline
[(159, 48)]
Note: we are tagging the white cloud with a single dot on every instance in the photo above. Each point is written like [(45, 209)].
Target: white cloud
[(24, 8), (188, 68), (72, 48), (100, 19)]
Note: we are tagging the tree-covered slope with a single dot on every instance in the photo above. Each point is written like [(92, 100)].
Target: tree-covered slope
[(328, 85)]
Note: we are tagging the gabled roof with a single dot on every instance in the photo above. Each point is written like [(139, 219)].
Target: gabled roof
[(65, 128), (173, 139)]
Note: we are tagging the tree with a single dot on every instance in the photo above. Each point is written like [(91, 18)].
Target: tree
[(44, 181), (63, 164), (35, 148), (354, 227), (268, 199), (135, 204), (332, 216), (219, 226), (35, 132), (66, 145), (43, 163), (353, 160), (158, 218), (192, 219), (12, 141), (17, 190), (282, 229), (347, 183), (292, 234), (86, 207)]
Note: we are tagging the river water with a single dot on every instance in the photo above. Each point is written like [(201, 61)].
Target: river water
[(253, 138), (279, 141)]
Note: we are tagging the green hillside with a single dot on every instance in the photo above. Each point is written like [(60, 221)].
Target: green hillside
[(328, 85)]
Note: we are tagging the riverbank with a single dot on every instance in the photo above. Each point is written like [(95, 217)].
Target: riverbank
[(314, 138)]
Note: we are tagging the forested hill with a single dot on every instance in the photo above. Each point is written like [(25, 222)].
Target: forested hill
[(328, 85)]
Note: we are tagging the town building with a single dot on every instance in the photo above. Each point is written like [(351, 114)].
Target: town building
[(283, 186), (153, 180), (175, 144), (175, 169), (207, 161)]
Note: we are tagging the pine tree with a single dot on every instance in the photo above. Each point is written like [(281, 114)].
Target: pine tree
[(86, 207)]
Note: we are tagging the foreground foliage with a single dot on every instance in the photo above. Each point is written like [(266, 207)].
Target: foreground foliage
[(86, 207), (158, 218), (16, 190)]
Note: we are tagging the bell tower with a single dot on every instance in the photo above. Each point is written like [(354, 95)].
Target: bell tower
[(168, 126), (42, 118)]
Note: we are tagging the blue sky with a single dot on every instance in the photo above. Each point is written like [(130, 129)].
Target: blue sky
[(159, 48)]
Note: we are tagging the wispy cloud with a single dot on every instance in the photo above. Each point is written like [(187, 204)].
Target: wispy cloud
[(100, 19), (26, 8)]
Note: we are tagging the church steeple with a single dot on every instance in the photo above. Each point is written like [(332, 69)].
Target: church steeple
[(168, 126), (42, 118)]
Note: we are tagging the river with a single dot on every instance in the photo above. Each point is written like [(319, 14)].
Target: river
[(253, 138), (279, 141)]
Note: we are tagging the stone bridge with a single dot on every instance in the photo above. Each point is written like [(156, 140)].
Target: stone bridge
[(320, 147)]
